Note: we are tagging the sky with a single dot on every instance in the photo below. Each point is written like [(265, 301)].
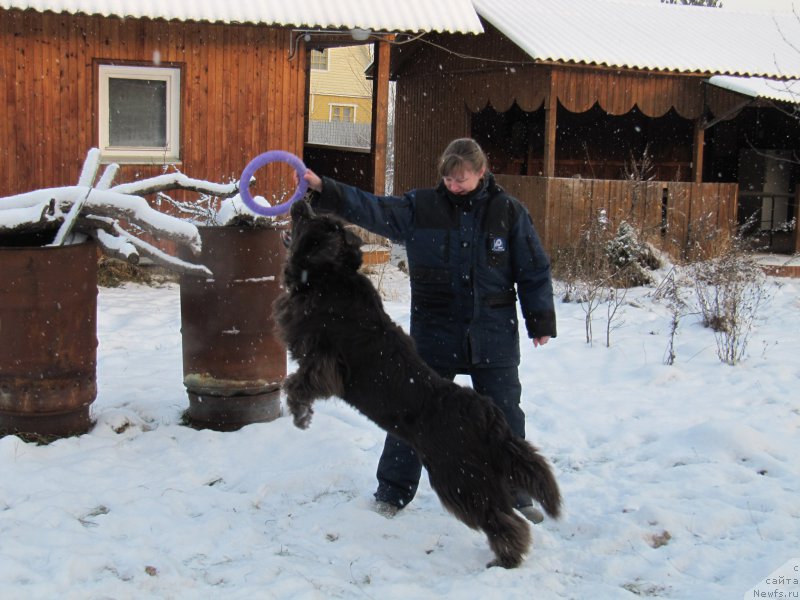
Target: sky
[(679, 481)]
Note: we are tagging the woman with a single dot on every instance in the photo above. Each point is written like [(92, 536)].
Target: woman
[(472, 251)]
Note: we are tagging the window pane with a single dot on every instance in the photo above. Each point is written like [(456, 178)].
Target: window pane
[(319, 59), (137, 112)]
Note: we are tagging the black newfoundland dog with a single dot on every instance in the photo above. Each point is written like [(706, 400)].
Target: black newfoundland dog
[(333, 323)]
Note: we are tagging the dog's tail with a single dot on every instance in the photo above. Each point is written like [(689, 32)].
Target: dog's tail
[(531, 472)]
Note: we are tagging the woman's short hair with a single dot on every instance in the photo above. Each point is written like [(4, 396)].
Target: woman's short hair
[(461, 153)]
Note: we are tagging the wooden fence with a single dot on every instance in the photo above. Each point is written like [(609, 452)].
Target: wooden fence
[(340, 133), (686, 220)]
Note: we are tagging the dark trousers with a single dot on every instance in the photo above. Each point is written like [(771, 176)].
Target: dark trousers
[(399, 468)]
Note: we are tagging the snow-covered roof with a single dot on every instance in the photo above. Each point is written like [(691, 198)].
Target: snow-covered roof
[(454, 16), (650, 36), (759, 87)]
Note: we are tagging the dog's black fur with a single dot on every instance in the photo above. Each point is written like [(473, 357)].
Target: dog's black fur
[(333, 323)]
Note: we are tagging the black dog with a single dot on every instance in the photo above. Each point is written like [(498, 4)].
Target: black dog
[(333, 323)]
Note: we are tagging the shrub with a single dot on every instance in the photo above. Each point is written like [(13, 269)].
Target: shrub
[(730, 289)]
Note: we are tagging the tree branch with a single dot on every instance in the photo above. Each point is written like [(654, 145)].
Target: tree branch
[(176, 181)]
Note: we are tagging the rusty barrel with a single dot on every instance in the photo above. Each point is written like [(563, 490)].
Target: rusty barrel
[(233, 361), (48, 339)]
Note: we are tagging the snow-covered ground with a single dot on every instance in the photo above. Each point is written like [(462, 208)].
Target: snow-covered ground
[(679, 481)]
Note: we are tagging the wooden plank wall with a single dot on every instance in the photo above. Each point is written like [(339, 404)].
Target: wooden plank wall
[(701, 218), (437, 92), (617, 92), (796, 233), (240, 95), (686, 220), (426, 120)]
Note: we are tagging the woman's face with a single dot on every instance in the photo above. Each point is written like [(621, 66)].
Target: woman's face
[(463, 181)]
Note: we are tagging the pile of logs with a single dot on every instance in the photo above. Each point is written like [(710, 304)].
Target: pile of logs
[(96, 208)]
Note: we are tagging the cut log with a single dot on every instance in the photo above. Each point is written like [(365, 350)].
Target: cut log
[(176, 181)]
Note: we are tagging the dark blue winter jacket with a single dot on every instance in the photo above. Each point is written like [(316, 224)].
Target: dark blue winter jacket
[(468, 258)]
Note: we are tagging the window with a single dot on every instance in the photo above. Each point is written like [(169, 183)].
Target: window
[(344, 113), (139, 116), (319, 60)]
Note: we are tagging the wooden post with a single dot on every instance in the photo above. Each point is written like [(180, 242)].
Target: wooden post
[(549, 159), (697, 151), (380, 116), (550, 122), (796, 219)]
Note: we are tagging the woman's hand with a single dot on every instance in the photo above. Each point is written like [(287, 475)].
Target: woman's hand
[(314, 182)]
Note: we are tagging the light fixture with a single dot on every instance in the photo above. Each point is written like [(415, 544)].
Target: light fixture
[(359, 34)]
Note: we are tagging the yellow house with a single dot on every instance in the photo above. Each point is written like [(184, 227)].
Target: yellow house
[(340, 96)]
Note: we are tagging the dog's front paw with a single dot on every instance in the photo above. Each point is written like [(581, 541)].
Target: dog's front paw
[(302, 417)]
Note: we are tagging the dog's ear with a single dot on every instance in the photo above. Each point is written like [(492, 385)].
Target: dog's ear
[(351, 251), (352, 238), (302, 209)]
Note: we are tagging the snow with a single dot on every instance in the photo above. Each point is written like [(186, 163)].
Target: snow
[(679, 481), (380, 15), (235, 208), (651, 35), (136, 207), (758, 87)]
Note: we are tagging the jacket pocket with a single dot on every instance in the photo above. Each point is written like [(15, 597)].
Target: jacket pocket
[(500, 300), (431, 291)]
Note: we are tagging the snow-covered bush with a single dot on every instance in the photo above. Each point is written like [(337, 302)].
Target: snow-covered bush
[(630, 260)]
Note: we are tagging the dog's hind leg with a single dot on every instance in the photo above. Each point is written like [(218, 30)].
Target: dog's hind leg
[(313, 380), (481, 504), (509, 537)]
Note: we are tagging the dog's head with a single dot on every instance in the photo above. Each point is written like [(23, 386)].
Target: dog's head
[(319, 243)]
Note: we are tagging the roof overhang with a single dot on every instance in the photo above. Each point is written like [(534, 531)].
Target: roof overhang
[(760, 88), (446, 16), (650, 36)]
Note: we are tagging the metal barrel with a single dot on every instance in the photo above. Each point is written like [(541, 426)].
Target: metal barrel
[(48, 339), (233, 360)]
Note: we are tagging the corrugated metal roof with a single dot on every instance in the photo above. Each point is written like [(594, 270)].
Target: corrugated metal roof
[(759, 87), (652, 36), (455, 16)]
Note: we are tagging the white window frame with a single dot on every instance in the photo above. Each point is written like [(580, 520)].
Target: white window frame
[(342, 105), (146, 155), (327, 56)]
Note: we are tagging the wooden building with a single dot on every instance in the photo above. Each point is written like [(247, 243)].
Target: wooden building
[(580, 104), (198, 87)]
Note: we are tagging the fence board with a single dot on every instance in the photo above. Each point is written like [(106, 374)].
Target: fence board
[(700, 217)]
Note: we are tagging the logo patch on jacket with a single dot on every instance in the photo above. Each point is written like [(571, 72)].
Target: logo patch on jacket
[(498, 244)]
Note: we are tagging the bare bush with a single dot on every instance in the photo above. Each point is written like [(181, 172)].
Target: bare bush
[(615, 299), (705, 239), (672, 292), (730, 289), (586, 261), (600, 268)]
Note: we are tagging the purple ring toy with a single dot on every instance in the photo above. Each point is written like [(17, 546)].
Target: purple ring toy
[(264, 159)]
